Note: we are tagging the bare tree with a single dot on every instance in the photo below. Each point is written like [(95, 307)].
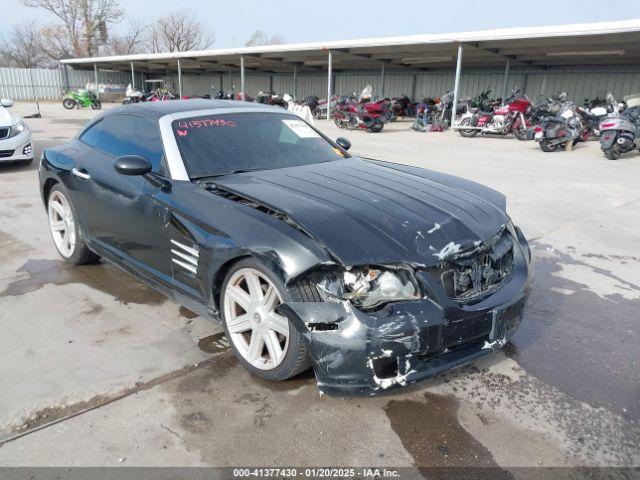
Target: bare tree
[(259, 38), (178, 32), (23, 48), (132, 41), (84, 22)]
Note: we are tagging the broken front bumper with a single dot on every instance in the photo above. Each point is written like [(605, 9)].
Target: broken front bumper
[(362, 353)]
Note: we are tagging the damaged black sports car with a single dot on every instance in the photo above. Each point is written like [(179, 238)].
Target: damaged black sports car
[(375, 274)]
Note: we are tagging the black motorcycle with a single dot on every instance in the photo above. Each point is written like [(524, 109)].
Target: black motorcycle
[(313, 102), (560, 130)]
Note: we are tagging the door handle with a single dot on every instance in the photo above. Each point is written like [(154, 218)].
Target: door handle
[(81, 173)]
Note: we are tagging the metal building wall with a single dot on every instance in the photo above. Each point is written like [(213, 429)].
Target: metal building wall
[(580, 83), (45, 84), (25, 84)]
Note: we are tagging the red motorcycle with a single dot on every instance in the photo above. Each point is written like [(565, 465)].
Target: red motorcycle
[(403, 107), (510, 118), (370, 116)]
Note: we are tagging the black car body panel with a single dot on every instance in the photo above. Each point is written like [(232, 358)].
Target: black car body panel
[(306, 221), (375, 212)]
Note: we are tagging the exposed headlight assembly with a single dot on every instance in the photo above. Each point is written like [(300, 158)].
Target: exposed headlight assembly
[(17, 129), (369, 287)]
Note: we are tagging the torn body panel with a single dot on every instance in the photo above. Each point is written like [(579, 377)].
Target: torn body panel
[(402, 343)]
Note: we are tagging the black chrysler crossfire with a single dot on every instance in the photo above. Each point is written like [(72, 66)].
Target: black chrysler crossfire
[(375, 274)]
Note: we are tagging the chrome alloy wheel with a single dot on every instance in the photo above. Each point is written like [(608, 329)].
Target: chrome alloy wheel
[(62, 224), (259, 334)]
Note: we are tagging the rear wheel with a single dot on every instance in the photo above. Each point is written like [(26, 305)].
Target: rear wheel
[(468, 133), (264, 341), (64, 229), (69, 103), (376, 127), (96, 105), (126, 101), (546, 147)]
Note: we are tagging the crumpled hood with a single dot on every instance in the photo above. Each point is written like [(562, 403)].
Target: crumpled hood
[(378, 212), (6, 119)]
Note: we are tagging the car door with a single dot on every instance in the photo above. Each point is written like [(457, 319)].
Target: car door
[(125, 215)]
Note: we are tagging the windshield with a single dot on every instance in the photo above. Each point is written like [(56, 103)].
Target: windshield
[(220, 144)]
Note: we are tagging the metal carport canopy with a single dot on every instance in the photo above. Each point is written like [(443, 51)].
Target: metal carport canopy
[(598, 44), (589, 44)]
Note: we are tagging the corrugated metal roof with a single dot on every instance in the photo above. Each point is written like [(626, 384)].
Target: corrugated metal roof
[(546, 32)]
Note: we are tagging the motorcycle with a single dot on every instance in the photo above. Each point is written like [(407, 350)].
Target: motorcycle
[(403, 107), (370, 116), (270, 98), (563, 129), (510, 118), (591, 120), (81, 98), (621, 132), (136, 96), (313, 102)]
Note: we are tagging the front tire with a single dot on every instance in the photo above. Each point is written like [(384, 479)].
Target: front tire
[(64, 229), (468, 133), (263, 340), (611, 154), (520, 131)]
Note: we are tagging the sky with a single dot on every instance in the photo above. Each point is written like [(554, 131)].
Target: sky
[(310, 21)]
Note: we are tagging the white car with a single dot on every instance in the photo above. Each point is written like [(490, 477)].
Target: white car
[(15, 137)]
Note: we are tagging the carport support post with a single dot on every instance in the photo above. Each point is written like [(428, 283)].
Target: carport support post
[(133, 78), (66, 77), (456, 86), (506, 80), (329, 77), (95, 74), (382, 79), (295, 82), (242, 78), (179, 79)]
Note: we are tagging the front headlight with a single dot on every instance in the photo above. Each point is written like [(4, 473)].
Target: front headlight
[(17, 129), (369, 287)]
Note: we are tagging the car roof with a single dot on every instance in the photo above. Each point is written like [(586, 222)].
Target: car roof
[(156, 110)]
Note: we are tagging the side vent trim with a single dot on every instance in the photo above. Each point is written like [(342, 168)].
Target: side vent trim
[(185, 257)]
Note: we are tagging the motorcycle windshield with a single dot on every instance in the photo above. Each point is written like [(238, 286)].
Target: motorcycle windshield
[(632, 100)]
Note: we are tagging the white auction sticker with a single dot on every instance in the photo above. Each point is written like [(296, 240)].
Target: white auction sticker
[(301, 129)]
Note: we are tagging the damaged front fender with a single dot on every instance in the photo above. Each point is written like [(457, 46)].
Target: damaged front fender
[(363, 353)]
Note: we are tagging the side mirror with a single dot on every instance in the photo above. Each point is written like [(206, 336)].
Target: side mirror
[(132, 165), (6, 103), (344, 143)]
